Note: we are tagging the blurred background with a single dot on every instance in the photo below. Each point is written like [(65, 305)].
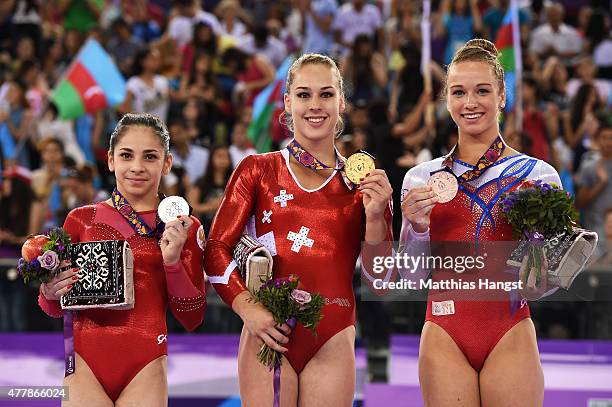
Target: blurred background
[(201, 65)]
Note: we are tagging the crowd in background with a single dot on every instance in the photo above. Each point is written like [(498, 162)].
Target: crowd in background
[(200, 64)]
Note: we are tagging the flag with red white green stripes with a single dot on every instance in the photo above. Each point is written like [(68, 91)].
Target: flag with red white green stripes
[(509, 46), (266, 108), (92, 82)]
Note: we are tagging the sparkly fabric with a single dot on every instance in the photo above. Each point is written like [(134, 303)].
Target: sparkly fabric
[(488, 158), (115, 344), (315, 234), (474, 215)]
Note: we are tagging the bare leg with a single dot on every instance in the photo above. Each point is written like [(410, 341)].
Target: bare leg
[(256, 380), (512, 374), (84, 388), (329, 377), (445, 375), (148, 388)]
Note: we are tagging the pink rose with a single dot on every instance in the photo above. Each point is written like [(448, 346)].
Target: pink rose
[(301, 297), (49, 260)]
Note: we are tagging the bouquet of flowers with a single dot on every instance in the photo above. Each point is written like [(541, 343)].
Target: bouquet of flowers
[(288, 305), (42, 256), (538, 211)]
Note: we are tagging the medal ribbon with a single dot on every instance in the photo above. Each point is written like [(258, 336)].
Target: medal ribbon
[(488, 159), (308, 160), (69, 357), (136, 222), (276, 382)]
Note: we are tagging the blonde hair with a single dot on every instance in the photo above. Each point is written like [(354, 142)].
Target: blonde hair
[(480, 50), (312, 59)]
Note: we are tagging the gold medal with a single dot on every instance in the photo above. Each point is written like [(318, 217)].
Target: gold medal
[(444, 184), (358, 166)]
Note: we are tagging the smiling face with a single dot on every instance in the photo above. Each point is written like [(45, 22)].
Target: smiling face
[(315, 102), (138, 162), (473, 98)]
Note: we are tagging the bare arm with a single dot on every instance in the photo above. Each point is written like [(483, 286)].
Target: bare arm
[(126, 106), (412, 120), (266, 68), (379, 66)]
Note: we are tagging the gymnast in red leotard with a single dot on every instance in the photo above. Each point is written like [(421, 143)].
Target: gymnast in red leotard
[(474, 352), (312, 220), (121, 354)]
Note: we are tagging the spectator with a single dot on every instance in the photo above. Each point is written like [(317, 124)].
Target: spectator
[(494, 16), (206, 195), (356, 17), (147, 90), (403, 28), (587, 74), (27, 21), (262, 43), (519, 140), (15, 201), (583, 121), (54, 61), (187, 14), (140, 16), (204, 41), (555, 37), (199, 81), (366, 71), (191, 157), (241, 146), (37, 88), (123, 46), (318, 16), (253, 72), (79, 188), (16, 119), (24, 51), (594, 193), (46, 184), (460, 21), (198, 122), (51, 126), (600, 43), (534, 122), (554, 82), (231, 17)]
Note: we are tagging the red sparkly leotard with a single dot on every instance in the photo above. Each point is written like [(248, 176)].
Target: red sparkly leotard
[(117, 344), (474, 215), (315, 234)]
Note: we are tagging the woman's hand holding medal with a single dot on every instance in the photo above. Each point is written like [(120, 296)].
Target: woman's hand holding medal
[(377, 192), (417, 206), (173, 239), (174, 212), (374, 184)]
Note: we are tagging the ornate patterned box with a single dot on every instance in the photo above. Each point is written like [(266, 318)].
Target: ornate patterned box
[(567, 254), (105, 276), (254, 262)]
